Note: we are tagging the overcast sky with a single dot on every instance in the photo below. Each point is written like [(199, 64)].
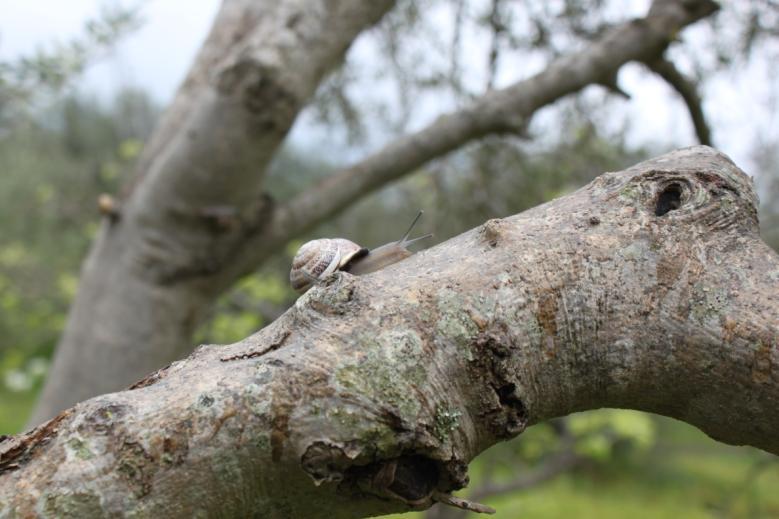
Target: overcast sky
[(155, 58)]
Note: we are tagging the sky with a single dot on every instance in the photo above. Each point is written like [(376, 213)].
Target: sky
[(741, 108), (155, 57)]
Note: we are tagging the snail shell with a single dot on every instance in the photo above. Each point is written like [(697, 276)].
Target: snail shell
[(319, 258)]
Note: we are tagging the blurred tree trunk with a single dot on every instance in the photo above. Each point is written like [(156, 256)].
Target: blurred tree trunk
[(195, 217), (648, 289), (197, 193)]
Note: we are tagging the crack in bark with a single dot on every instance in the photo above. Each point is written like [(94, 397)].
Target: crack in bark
[(151, 379), (17, 450)]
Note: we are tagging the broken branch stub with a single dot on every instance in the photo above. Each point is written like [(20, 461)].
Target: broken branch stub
[(649, 289)]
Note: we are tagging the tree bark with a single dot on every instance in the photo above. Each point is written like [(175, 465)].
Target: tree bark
[(195, 219), (647, 289)]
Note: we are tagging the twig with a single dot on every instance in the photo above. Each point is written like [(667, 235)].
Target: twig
[(689, 92), (458, 502), (559, 463)]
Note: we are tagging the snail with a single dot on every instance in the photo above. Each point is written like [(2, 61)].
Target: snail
[(317, 259)]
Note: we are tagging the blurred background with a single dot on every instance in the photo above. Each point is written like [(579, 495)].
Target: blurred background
[(82, 84)]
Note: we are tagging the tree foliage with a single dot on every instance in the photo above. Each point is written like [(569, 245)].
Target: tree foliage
[(26, 79)]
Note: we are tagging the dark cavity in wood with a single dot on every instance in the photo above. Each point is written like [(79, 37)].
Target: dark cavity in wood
[(669, 199)]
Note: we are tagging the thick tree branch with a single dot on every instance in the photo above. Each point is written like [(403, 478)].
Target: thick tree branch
[(689, 92), (648, 289)]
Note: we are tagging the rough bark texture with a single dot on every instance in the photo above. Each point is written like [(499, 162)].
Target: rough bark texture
[(195, 218), (649, 288)]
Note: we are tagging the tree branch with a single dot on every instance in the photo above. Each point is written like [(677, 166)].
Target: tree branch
[(689, 92), (554, 466), (648, 289), (500, 111)]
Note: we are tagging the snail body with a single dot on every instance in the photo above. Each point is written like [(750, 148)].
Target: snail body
[(317, 259)]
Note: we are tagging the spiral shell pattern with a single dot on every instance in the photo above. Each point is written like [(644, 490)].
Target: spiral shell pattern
[(318, 258)]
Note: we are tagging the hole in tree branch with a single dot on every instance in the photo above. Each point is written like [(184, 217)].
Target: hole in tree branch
[(669, 199), (415, 477), (517, 416), (410, 478)]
